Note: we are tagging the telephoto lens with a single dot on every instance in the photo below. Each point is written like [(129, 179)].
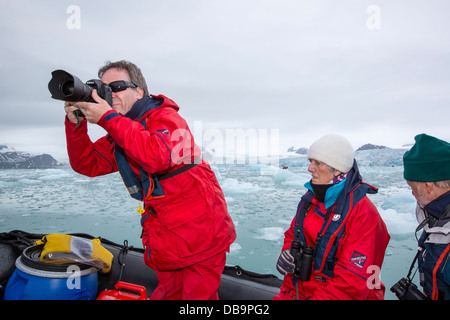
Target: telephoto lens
[(67, 87)]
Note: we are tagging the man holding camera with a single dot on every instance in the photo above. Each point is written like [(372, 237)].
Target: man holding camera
[(427, 172), (187, 229)]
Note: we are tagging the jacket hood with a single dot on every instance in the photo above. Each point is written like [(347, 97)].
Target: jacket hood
[(439, 232), (353, 180), (147, 104)]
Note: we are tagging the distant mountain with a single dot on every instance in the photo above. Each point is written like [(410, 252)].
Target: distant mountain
[(298, 151), (370, 146), (367, 146), (371, 157), (12, 159)]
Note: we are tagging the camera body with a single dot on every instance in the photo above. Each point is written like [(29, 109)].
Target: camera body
[(303, 259), (67, 87), (406, 290)]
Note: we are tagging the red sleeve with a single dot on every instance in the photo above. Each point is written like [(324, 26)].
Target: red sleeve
[(86, 157), (165, 142), (359, 258)]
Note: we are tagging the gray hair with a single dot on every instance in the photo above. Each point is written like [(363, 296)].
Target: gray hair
[(332, 170), (444, 184), (133, 71)]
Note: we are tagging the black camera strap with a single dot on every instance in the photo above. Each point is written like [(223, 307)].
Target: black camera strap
[(416, 257), (430, 221), (177, 171)]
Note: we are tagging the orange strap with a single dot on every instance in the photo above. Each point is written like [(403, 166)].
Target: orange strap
[(439, 262)]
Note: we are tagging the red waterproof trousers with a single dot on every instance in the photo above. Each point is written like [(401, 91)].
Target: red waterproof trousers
[(197, 282)]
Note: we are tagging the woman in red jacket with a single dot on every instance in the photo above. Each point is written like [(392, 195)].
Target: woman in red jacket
[(341, 235), (187, 229)]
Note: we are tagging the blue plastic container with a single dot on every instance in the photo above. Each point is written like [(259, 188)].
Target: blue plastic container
[(39, 281)]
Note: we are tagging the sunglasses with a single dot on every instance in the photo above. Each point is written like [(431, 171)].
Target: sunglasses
[(121, 85)]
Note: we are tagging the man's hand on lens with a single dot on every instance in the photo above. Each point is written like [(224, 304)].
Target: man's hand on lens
[(94, 111)]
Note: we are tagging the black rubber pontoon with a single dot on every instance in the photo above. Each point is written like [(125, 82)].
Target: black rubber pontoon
[(128, 266)]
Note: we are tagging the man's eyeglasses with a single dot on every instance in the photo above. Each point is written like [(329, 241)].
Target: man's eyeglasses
[(121, 85)]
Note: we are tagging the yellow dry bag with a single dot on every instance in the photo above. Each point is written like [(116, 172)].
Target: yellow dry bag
[(63, 248)]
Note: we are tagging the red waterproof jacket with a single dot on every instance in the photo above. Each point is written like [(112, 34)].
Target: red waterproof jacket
[(190, 222), (358, 260)]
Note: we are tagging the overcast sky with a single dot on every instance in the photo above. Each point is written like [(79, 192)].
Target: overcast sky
[(375, 71)]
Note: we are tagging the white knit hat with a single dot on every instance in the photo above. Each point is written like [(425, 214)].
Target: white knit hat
[(333, 150)]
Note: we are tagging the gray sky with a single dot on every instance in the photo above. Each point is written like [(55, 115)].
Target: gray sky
[(306, 68)]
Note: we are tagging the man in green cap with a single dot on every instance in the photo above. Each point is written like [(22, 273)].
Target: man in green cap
[(427, 172)]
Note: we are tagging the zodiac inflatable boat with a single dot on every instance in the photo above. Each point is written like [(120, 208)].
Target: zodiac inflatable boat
[(24, 277)]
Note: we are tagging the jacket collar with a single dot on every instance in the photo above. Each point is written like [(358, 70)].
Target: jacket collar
[(331, 194), (142, 107), (436, 207)]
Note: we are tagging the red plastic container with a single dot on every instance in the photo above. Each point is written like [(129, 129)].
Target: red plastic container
[(116, 294)]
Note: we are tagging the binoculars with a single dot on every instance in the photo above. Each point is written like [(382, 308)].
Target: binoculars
[(406, 290), (303, 259)]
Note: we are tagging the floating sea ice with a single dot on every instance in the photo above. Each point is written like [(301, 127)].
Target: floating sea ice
[(216, 172), (286, 177), (398, 223), (235, 248), (26, 181), (54, 174), (400, 200), (264, 169), (234, 186), (270, 233)]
